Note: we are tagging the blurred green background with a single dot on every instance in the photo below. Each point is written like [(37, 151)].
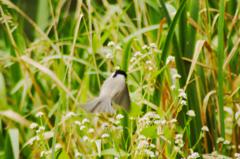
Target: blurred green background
[(55, 54)]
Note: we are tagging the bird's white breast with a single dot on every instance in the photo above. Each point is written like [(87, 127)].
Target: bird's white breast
[(113, 85)]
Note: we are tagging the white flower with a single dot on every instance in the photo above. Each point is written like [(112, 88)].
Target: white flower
[(193, 155), (145, 47), (133, 59), (153, 45), (191, 113), (118, 47), (226, 142), (33, 125), (40, 129), (219, 140), (35, 138), (78, 123), (173, 87), (70, 114), (173, 121), (91, 130), (150, 68), (152, 145), (170, 59), (82, 127), (228, 110), (157, 122), (160, 122), (111, 44), (85, 138), (149, 153), (142, 144), (163, 122), (175, 76), (150, 118), (39, 114), (179, 136), (58, 146), (152, 115), (142, 137), (182, 94), (179, 140), (137, 54), (104, 125), (105, 135), (85, 120), (183, 102), (77, 154), (237, 115), (177, 148), (237, 155), (43, 153), (148, 62), (205, 128), (109, 55), (119, 116)]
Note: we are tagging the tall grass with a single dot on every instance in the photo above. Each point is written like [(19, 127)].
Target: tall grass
[(181, 57)]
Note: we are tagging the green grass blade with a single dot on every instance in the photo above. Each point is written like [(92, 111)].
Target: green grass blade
[(14, 140), (220, 59), (166, 47), (171, 33), (126, 55)]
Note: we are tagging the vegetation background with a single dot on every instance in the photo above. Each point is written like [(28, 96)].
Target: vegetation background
[(183, 65)]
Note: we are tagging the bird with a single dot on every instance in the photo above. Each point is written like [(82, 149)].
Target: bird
[(114, 90)]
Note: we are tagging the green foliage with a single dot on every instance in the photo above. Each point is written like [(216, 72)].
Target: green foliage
[(182, 61)]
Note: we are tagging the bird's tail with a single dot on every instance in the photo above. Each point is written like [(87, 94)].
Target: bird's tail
[(98, 105)]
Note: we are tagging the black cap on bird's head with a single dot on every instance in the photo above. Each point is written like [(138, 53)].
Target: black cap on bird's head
[(120, 72)]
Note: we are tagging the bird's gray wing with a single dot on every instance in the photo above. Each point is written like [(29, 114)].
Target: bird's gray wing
[(91, 105), (122, 98), (99, 105)]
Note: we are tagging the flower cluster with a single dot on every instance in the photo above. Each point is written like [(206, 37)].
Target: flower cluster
[(145, 147), (191, 113), (149, 119), (183, 97), (237, 155), (179, 141), (110, 49), (237, 117), (193, 155)]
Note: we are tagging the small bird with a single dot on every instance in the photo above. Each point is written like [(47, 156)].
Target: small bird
[(113, 91)]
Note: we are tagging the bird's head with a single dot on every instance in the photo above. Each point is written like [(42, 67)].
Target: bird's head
[(119, 72)]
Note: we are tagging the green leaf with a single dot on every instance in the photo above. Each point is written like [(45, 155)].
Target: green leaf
[(42, 14), (136, 110), (166, 47), (3, 98), (150, 132), (114, 152), (171, 32), (154, 4), (14, 139), (63, 155), (126, 55), (220, 55)]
